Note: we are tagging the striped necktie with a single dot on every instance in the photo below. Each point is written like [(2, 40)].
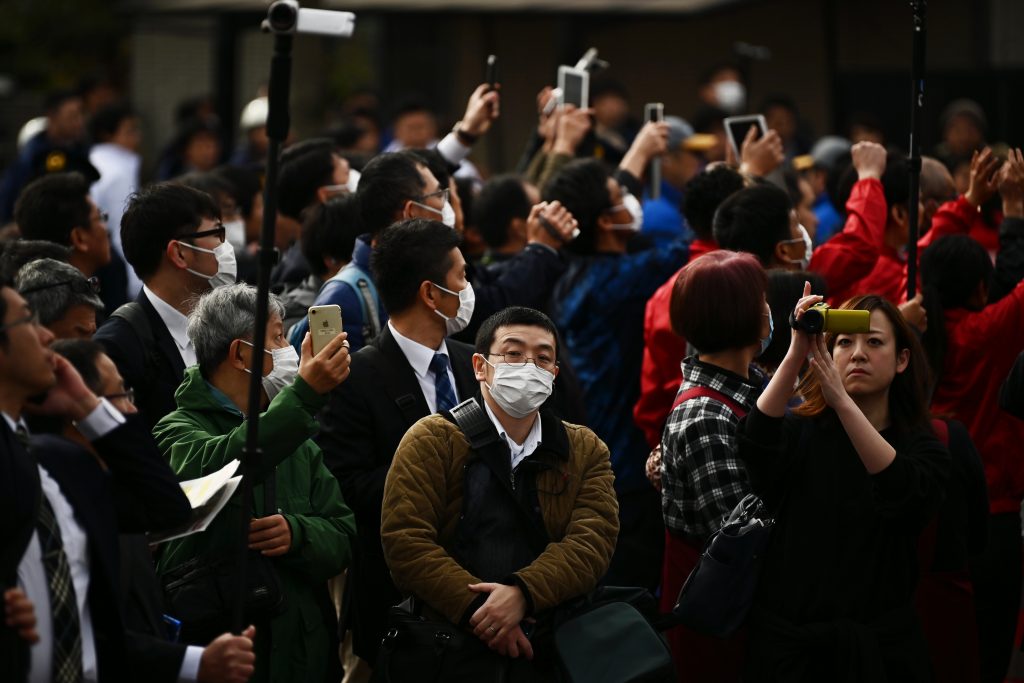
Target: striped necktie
[(444, 395)]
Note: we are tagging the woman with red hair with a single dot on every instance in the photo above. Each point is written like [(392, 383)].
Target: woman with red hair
[(718, 305)]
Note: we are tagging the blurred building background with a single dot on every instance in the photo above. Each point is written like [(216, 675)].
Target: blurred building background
[(832, 57)]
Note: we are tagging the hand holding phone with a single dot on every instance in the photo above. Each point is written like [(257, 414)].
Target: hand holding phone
[(574, 85), (324, 325), (737, 128)]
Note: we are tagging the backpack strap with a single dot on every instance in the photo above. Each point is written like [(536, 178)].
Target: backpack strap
[(708, 392), (356, 278), (470, 417), (133, 314)]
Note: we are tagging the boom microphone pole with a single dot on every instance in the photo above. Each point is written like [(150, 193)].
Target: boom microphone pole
[(918, 8), (284, 19)]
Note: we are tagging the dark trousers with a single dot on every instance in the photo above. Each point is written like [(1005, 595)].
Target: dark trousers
[(638, 553), (997, 590)]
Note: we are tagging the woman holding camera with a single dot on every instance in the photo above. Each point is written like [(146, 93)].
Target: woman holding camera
[(718, 304), (853, 475)]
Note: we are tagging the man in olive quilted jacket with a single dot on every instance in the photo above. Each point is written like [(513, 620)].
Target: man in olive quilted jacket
[(493, 531)]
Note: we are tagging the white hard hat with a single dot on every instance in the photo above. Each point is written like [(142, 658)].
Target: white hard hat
[(254, 114), (31, 128)]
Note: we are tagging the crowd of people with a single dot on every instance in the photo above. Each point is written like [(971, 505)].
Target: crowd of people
[(547, 380)]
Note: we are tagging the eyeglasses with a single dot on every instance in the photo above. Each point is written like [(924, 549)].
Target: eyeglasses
[(219, 231), (518, 359), (127, 394), (443, 194), (93, 283), (30, 319), (103, 216)]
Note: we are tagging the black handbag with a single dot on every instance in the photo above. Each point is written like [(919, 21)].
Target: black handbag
[(201, 592), (415, 648), (608, 637), (718, 593)]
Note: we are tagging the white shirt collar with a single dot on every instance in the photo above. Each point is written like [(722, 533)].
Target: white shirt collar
[(418, 355), (529, 445), (11, 422), (176, 323)]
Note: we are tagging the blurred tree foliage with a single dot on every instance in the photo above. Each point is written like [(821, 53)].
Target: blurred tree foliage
[(47, 43)]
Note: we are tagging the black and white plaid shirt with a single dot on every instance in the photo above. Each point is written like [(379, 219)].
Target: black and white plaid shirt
[(702, 478)]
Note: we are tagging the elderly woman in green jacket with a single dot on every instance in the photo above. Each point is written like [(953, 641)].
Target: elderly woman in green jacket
[(310, 533)]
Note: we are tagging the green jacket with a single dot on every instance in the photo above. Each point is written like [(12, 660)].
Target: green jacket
[(204, 434)]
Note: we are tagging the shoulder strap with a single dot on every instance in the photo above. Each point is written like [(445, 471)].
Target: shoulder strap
[(707, 392), (474, 423), (357, 279), (133, 314)]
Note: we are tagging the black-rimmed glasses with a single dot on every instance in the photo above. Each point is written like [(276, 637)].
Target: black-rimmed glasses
[(127, 394), (92, 283), (443, 194), (219, 231), (30, 319)]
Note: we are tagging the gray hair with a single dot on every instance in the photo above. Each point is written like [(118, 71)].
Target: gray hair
[(219, 317), (52, 288)]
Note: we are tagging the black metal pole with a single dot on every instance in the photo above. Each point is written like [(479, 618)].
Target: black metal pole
[(277, 132), (918, 7)]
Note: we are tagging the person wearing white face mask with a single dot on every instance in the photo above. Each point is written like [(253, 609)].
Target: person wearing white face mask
[(308, 531), (173, 237), (514, 538), (599, 305)]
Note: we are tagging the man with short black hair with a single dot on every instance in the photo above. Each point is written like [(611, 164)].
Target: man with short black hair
[(66, 302), (173, 238), (500, 213), (57, 208), (311, 173), (496, 512), (410, 370)]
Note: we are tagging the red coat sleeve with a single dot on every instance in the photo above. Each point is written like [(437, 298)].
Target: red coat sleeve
[(850, 255), (952, 218), (660, 374)]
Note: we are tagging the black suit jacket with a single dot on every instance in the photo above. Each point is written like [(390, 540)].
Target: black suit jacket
[(155, 372), (361, 427), (137, 492)]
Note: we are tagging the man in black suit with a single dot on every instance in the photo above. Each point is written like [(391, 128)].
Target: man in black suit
[(408, 372), (173, 238), (58, 514)]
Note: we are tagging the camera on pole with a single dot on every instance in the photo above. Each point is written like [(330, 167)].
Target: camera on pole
[(285, 18)]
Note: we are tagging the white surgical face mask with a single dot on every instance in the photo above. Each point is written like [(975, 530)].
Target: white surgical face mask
[(447, 212), (286, 367), (520, 390), (227, 268), (235, 233), (631, 204), (731, 95), (467, 301), (808, 248), (767, 341)]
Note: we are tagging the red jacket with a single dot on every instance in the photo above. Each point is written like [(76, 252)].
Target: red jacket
[(960, 217), (849, 257), (887, 278), (660, 374), (982, 348)]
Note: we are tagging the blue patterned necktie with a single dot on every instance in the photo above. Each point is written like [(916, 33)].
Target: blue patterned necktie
[(444, 393)]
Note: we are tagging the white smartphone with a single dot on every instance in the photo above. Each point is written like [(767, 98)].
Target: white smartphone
[(574, 85), (736, 128), (324, 325)]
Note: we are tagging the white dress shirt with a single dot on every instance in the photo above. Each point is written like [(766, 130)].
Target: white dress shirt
[(419, 357), (32, 574), (519, 451), (119, 177), (176, 324)]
